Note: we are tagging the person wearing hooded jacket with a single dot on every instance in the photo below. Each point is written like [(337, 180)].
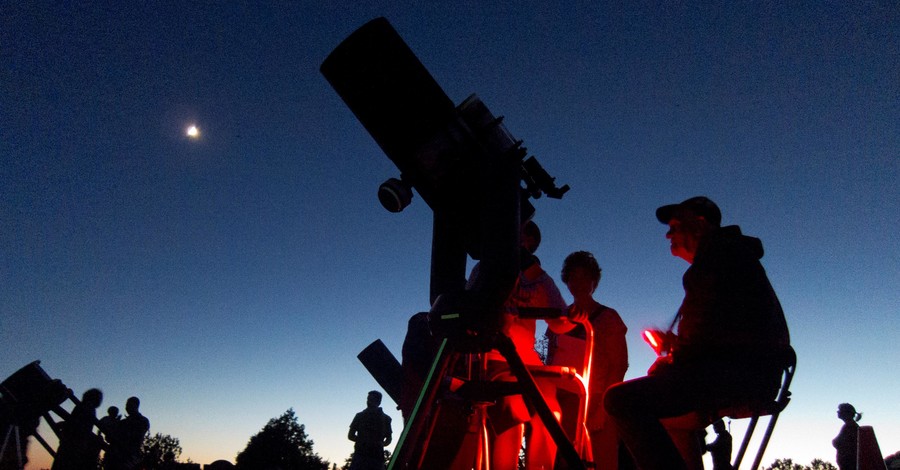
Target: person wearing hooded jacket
[(723, 353)]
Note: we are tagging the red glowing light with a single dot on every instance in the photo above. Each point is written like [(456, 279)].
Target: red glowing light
[(651, 339), (655, 340)]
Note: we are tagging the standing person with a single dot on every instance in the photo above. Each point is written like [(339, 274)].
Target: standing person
[(730, 333), (79, 447), (130, 435), (108, 423), (534, 289), (847, 440), (720, 448), (371, 432), (108, 426), (609, 355)]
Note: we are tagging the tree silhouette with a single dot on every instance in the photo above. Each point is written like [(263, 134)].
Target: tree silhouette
[(349, 461), (819, 464), (788, 464), (281, 444), (155, 447), (785, 464)]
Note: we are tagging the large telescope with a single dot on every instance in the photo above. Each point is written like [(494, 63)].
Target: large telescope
[(478, 180), (460, 159)]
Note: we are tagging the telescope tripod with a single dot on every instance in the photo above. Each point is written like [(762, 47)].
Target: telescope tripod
[(12, 430), (448, 428)]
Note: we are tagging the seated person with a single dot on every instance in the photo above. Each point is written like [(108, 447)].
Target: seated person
[(730, 331)]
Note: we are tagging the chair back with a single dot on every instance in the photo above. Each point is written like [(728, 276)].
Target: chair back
[(787, 361)]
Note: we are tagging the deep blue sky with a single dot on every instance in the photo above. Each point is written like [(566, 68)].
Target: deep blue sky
[(226, 279)]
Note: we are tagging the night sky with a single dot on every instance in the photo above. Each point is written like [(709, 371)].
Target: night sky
[(226, 277)]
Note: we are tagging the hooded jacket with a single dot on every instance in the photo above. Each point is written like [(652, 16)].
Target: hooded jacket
[(730, 310)]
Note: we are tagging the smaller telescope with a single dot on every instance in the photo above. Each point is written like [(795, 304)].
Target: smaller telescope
[(26, 396), (29, 393)]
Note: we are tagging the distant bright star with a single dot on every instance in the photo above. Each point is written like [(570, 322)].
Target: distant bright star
[(193, 132)]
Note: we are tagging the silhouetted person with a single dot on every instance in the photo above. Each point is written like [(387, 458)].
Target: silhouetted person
[(108, 423), (129, 436), (371, 432), (109, 428), (847, 440), (168, 461), (725, 352), (79, 447), (720, 448), (609, 356)]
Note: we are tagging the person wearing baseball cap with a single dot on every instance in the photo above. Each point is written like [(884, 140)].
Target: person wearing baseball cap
[(723, 347)]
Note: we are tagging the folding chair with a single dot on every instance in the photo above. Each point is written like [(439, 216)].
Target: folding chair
[(569, 379), (787, 360)]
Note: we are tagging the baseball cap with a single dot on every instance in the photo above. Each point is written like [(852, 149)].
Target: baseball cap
[(699, 205)]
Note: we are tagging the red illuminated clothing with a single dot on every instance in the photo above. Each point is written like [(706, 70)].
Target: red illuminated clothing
[(535, 289), (609, 357), (609, 361)]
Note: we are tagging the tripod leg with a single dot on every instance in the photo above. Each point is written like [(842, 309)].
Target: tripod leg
[(5, 441), (19, 448), (533, 395), (12, 430), (9, 429), (403, 452), (45, 444)]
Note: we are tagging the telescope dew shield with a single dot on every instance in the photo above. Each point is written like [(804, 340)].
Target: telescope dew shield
[(384, 367), (392, 94)]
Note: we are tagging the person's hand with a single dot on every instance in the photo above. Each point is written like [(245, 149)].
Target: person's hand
[(577, 315), (659, 365), (662, 342)]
